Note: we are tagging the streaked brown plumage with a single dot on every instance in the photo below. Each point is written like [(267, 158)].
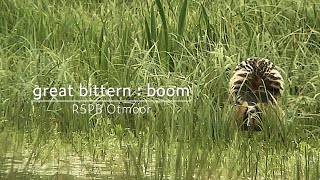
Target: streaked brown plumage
[(254, 81)]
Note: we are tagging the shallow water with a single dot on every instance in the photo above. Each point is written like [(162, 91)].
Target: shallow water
[(69, 167)]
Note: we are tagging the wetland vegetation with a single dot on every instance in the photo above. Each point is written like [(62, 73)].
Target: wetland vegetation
[(194, 44)]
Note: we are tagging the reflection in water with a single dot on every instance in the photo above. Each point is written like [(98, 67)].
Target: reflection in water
[(70, 167)]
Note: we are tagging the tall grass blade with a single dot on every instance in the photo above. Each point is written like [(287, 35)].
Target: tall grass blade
[(206, 19), (166, 34), (153, 27), (149, 40), (182, 18)]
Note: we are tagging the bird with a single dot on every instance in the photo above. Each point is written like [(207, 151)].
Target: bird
[(255, 81)]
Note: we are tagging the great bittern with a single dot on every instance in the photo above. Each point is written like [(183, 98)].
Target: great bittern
[(254, 81)]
